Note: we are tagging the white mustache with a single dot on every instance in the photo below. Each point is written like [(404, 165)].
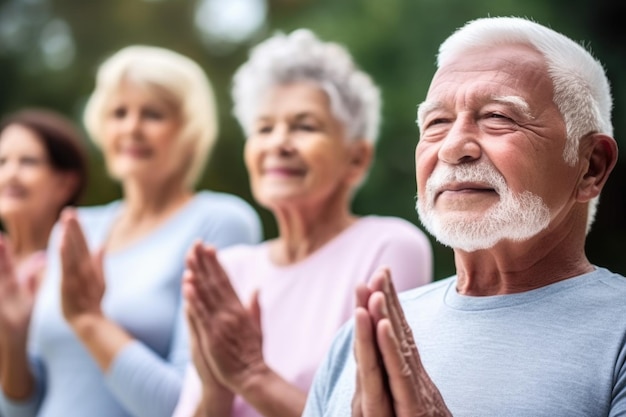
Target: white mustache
[(483, 173)]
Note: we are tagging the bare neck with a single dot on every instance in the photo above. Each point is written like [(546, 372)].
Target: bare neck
[(512, 267), (305, 229), (29, 235), (145, 209), (153, 200)]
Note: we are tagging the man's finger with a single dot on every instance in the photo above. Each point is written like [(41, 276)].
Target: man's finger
[(372, 378)]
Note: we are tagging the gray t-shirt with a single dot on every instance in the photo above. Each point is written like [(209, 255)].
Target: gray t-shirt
[(554, 351)]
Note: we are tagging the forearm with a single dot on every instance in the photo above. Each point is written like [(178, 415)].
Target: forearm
[(103, 338), (273, 396), (212, 405), (16, 377)]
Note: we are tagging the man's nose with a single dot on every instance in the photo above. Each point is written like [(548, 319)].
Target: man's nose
[(461, 143)]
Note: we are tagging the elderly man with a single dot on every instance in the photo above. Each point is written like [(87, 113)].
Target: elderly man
[(515, 148)]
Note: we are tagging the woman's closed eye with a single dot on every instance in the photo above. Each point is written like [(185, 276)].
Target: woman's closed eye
[(307, 127), (153, 114), (119, 112), (30, 161), (264, 129)]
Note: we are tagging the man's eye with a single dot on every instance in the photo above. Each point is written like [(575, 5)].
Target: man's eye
[(498, 116), (437, 121)]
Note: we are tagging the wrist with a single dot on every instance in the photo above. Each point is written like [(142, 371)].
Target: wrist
[(216, 403), (87, 325), (255, 382)]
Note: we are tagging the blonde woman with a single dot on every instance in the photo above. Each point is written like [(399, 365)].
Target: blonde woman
[(108, 332)]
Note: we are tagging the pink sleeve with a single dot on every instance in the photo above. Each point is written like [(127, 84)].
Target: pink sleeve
[(410, 259), (189, 395)]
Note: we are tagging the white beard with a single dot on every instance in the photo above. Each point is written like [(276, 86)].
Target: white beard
[(514, 217)]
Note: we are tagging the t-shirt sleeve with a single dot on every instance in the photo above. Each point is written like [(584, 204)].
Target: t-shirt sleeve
[(409, 258), (327, 376), (618, 402), (144, 382)]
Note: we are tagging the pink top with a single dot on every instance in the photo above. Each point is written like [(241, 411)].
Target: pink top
[(304, 304), (31, 267)]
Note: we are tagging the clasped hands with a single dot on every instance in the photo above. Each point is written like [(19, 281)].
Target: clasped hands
[(390, 381), (226, 337), (82, 276)]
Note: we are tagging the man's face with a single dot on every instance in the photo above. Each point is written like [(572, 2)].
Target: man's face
[(489, 163)]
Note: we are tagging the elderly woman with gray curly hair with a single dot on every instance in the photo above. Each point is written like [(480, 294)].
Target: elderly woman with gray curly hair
[(262, 316)]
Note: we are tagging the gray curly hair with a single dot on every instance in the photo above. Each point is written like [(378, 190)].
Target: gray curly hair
[(301, 56)]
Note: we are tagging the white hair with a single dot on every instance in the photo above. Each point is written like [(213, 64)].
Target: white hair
[(302, 57), (581, 88), (160, 70)]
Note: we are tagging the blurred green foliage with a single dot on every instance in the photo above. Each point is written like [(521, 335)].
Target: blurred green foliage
[(394, 40)]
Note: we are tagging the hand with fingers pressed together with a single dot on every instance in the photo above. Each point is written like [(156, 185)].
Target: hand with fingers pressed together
[(82, 275), (226, 336), (16, 298), (43, 168), (305, 160), (391, 380), (515, 148), (108, 335)]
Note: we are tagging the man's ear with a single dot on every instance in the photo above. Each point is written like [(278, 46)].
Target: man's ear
[(600, 153), (361, 156)]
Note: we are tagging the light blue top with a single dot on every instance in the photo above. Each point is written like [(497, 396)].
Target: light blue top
[(557, 351), (143, 295)]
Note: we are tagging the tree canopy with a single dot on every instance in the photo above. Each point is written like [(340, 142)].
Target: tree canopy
[(50, 49)]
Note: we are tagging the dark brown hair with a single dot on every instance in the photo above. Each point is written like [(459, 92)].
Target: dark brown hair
[(63, 142)]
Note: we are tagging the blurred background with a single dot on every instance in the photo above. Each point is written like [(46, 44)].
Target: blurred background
[(50, 49)]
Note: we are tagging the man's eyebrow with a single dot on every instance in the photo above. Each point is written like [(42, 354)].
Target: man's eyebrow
[(519, 104), (424, 108)]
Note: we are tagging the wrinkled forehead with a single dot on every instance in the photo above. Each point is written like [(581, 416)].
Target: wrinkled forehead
[(514, 75), (504, 70)]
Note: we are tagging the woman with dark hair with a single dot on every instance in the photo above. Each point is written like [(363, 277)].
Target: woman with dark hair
[(43, 168), (107, 335)]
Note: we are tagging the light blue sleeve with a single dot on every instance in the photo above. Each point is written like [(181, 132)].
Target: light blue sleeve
[(618, 401), (318, 402), (239, 224), (147, 385)]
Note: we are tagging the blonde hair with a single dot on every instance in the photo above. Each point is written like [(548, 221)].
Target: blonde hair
[(162, 70)]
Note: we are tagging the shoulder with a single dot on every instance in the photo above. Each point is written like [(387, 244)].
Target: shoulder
[(227, 211), (223, 203), (103, 212), (241, 253), (414, 295), (603, 287), (391, 229), (611, 279)]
